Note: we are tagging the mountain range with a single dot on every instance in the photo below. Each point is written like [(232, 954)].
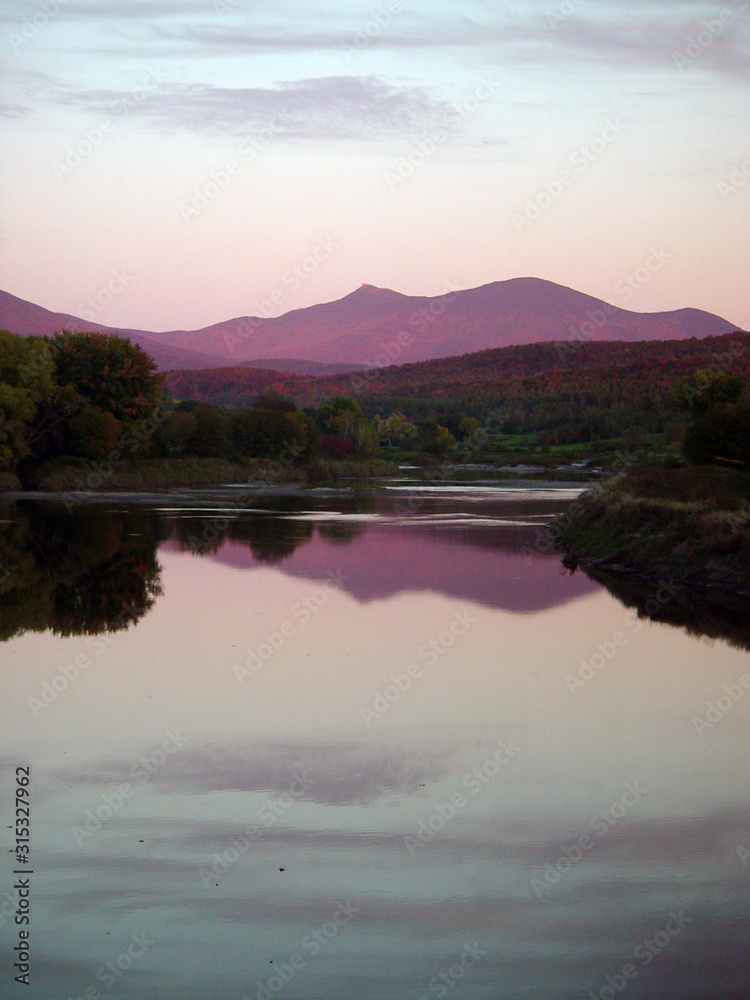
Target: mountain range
[(377, 326)]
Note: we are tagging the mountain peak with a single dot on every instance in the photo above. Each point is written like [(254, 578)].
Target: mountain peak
[(362, 327), (372, 294)]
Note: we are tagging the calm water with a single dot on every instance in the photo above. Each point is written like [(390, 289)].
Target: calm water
[(350, 748)]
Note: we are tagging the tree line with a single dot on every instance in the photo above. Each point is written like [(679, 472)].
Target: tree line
[(87, 397), (566, 394), (80, 397)]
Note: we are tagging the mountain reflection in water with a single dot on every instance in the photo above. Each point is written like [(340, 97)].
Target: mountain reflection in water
[(95, 568), (223, 773)]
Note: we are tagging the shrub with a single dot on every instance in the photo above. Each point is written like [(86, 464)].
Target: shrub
[(334, 447)]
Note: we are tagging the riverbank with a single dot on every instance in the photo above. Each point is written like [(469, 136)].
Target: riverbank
[(156, 474), (691, 525)]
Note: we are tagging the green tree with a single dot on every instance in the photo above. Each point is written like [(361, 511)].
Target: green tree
[(173, 435), (261, 433), (274, 434), (470, 427), (92, 434), (17, 410), (307, 436), (395, 430), (210, 439), (719, 436), (341, 416), (108, 372), (33, 407), (331, 411), (434, 439), (272, 400), (705, 389)]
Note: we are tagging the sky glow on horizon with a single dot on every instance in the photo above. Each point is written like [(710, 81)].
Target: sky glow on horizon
[(205, 148)]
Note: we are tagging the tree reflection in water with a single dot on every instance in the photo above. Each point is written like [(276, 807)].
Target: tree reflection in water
[(712, 614), (76, 573), (95, 569)]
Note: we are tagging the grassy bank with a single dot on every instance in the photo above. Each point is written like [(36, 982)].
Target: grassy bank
[(326, 470), (691, 524), (156, 474)]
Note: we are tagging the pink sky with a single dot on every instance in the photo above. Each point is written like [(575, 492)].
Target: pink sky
[(205, 153)]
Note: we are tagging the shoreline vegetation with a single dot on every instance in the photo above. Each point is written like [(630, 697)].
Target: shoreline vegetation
[(690, 526), (154, 474), (87, 414)]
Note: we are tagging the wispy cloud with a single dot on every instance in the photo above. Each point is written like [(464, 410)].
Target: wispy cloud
[(615, 37), (541, 32), (14, 110), (336, 774), (109, 10), (339, 107)]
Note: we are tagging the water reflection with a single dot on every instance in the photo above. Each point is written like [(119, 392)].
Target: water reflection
[(713, 614), (309, 805), (95, 569), (75, 573)]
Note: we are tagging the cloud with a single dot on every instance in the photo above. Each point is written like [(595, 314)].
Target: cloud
[(612, 33), (336, 774), (543, 33), (338, 107), (16, 11), (653, 43), (13, 110)]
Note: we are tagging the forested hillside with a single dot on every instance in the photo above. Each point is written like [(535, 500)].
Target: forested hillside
[(575, 391)]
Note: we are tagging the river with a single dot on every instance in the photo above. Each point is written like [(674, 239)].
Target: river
[(366, 746)]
